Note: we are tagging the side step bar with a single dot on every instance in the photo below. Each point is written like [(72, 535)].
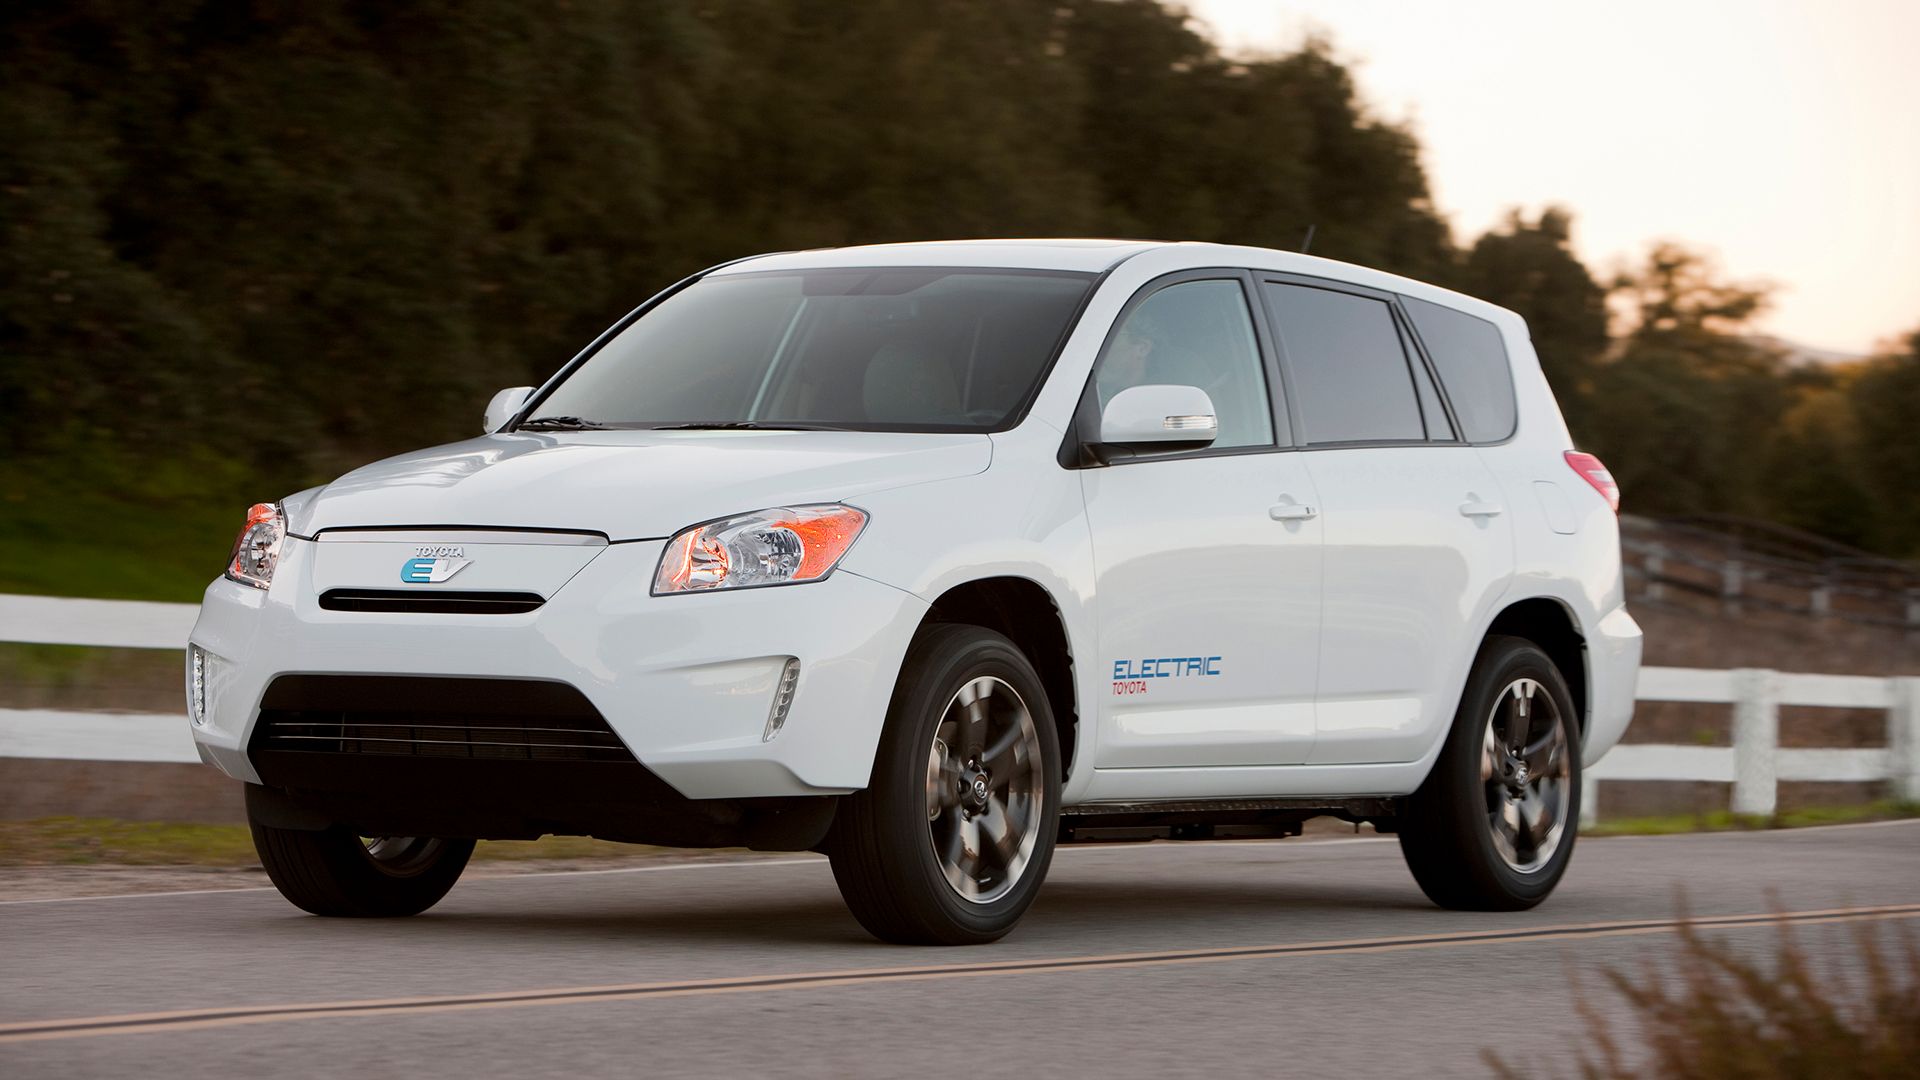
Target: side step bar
[(1216, 819)]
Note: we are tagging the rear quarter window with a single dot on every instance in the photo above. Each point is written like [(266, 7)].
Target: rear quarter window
[(1472, 363)]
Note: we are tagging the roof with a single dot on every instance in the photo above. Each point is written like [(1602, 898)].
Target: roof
[(1088, 256), (1096, 256)]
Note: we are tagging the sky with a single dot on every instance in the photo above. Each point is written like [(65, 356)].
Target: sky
[(1780, 136)]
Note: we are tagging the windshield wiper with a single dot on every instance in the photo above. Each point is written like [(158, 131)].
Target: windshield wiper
[(559, 423), (743, 425)]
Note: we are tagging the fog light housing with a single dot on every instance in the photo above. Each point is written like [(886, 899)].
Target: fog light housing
[(782, 698), (197, 685)]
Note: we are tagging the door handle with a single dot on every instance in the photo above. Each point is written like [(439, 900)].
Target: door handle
[(1475, 508), (1289, 511)]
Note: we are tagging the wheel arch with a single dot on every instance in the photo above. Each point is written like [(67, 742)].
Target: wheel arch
[(1550, 624), (1024, 611)]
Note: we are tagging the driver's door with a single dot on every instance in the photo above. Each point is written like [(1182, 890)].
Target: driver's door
[(1207, 562)]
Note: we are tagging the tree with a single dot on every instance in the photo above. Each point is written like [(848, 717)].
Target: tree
[(1885, 400), (1691, 403), (1815, 480), (1530, 268)]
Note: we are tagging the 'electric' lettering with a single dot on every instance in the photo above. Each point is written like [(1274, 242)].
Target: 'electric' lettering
[(1165, 667)]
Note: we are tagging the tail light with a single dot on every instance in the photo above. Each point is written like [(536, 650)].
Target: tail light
[(1593, 472)]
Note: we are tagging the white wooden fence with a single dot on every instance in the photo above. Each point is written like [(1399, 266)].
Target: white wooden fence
[(1754, 764)]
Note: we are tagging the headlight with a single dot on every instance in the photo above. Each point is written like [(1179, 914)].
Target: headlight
[(786, 545), (257, 550)]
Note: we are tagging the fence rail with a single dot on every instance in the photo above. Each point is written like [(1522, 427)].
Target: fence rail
[(1665, 561), (1754, 764), (118, 624)]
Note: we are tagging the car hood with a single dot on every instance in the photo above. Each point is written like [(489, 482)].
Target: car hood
[(628, 485)]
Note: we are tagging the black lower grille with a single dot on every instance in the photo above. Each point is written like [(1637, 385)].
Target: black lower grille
[(410, 716), (437, 602)]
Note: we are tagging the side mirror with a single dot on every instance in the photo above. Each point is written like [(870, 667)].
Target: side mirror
[(503, 407), (1159, 418)]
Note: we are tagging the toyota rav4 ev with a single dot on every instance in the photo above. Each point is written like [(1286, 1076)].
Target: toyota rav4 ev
[(931, 557)]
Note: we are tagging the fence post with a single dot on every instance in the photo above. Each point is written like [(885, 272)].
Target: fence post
[(1655, 565), (1589, 802), (1731, 573), (1822, 599), (1903, 740), (1756, 737)]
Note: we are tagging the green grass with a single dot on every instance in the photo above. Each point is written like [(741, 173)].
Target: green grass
[(66, 841), (68, 676), (1723, 821)]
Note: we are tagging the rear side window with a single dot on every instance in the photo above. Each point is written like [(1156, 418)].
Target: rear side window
[(1351, 379), (1473, 367)]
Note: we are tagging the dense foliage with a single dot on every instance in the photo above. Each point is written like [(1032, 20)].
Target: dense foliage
[(247, 243)]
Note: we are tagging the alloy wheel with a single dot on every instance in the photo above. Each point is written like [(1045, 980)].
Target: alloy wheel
[(985, 790), (1527, 775)]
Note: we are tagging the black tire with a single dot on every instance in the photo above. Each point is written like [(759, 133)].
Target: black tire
[(333, 872), (1448, 831), (882, 843)]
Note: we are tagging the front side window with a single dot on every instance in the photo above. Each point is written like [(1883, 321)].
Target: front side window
[(1351, 379), (1195, 333), (940, 349)]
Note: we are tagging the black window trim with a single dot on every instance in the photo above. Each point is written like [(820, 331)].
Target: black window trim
[(1076, 448), (1402, 323), (1417, 355)]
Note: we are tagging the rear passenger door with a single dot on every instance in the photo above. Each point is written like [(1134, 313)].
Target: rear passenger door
[(1416, 544)]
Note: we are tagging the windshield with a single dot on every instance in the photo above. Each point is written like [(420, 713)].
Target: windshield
[(939, 349)]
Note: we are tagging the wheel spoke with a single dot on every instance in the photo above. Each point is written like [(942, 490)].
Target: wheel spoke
[(961, 855), (1538, 808), (1008, 758), (970, 858), (943, 780), (1543, 755), (952, 845), (1520, 715), (1001, 839), (1501, 825), (973, 701), (1515, 819)]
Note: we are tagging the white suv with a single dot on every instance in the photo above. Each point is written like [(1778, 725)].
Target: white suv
[(932, 556)]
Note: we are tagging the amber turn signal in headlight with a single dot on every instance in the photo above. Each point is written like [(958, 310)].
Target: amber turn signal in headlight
[(786, 545), (257, 551)]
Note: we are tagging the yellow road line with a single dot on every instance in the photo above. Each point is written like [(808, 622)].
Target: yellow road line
[(203, 1019)]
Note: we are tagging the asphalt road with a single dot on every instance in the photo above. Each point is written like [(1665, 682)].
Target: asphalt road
[(1288, 958)]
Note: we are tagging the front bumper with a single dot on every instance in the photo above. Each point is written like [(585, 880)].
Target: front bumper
[(685, 681)]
